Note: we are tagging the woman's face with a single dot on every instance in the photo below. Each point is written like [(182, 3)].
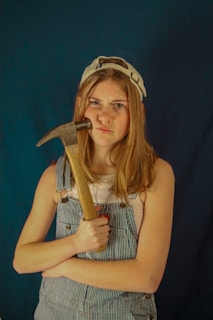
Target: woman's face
[(108, 110)]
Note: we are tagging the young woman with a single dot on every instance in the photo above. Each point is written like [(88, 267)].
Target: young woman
[(133, 192)]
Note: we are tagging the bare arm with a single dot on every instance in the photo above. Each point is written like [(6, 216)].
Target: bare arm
[(146, 270), (33, 253)]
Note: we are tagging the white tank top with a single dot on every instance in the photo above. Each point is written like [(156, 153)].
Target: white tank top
[(101, 193)]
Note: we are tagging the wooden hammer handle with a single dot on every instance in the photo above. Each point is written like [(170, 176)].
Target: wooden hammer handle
[(85, 196)]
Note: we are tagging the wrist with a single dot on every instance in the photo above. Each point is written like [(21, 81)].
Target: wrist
[(65, 267), (74, 245)]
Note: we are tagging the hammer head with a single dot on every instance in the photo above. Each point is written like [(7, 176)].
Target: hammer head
[(66, 132)]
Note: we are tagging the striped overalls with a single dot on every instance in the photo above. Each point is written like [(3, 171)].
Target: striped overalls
[(64, 299)]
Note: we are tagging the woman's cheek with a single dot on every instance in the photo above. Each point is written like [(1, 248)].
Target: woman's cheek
[(87, 110)]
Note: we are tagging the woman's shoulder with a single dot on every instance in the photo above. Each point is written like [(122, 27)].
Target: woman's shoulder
[(50, 171), (48, 177), (162, 165), (163, 171), (163, 174), (163, 183)]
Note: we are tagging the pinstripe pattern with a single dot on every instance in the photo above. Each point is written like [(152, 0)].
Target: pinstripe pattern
[(62, 298)]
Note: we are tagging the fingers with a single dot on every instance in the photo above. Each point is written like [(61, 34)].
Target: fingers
[(101, 220), (98, 225), (104, 215), (97, 208), (92, 234)]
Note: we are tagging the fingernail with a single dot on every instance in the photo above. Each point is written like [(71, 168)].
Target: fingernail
[(104, 215)]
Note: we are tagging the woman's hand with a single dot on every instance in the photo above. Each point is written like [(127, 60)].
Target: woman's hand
[(57, 271), (92, 234)]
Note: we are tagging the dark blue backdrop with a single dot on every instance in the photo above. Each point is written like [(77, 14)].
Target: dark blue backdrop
[(45, 46)]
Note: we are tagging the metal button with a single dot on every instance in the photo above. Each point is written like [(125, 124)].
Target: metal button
[(64, 200), (148, 296)]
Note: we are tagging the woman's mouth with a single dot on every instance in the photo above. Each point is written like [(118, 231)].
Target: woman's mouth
[(105, 130)]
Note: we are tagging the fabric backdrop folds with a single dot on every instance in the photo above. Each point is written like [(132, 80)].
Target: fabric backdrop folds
[(45, 46)]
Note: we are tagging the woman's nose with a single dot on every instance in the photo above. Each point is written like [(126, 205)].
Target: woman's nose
[(105, 117)]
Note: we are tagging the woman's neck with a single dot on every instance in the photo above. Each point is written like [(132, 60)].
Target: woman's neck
[(102, 169), (101, 164)]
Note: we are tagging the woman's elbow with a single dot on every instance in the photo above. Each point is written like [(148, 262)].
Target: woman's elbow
[(149, 283), (152, 285), (16, 266)]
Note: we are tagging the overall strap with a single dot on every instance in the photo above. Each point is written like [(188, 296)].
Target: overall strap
[(62, 174)]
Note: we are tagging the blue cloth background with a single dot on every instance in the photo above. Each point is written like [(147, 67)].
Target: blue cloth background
[(45, 46)]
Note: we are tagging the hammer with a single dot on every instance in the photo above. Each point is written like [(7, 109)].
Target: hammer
[(67, 132)]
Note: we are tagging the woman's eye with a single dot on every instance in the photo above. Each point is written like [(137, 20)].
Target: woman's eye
[(119, 105), (94, 103)]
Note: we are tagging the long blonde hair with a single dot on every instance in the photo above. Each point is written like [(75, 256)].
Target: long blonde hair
[(133, 156)]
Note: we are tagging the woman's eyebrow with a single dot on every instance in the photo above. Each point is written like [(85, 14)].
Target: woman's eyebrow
[(114, 100), (91, 97), (120, 100)]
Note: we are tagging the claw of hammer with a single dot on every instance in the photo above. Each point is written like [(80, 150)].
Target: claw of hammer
[(66, 131)]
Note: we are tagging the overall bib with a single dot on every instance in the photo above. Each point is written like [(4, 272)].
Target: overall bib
[(65, 299)]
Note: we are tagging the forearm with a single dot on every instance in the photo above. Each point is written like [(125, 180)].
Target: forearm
[(124, 275), (33, 254), (39, 256)]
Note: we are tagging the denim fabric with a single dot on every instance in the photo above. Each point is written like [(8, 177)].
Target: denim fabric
[(62, 298)]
